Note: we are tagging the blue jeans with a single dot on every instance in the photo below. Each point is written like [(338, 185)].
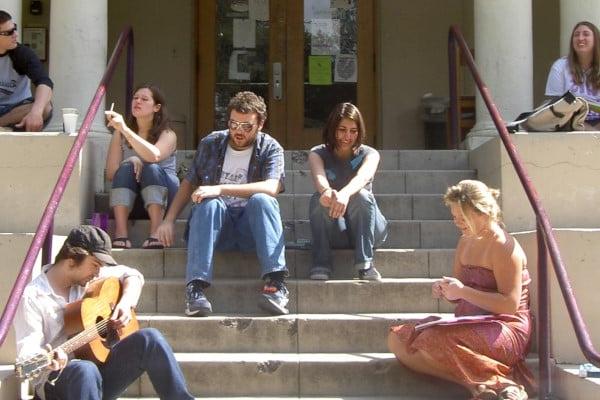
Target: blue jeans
[(143, 351), (366, 228), (155, 185), (215, 227)]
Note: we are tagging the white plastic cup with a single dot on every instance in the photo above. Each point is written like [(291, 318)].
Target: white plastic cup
[(70, 120)]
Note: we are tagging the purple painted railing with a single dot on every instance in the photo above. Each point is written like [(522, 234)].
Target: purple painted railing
[(43, 234), (545, 237)]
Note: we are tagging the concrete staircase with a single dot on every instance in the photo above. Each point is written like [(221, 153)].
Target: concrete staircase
[(333, 343)]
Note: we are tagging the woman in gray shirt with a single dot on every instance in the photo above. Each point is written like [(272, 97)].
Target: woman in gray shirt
[(343, 211), (141, 160)]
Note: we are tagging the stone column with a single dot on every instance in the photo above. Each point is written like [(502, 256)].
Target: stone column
[(504, 57), (14, 8), (78, 36), (573, 11)]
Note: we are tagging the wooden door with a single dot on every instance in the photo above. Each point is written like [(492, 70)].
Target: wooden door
[(303, 57)]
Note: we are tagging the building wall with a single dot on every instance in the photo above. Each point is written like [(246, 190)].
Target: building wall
[(36, 21), (412, 57), (413, 61), (165, 43), (546, 43)]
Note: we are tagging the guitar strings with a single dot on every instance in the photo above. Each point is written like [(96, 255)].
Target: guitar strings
[(78, 340)]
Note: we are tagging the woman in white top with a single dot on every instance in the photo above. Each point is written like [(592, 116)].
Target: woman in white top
[(579, 72)]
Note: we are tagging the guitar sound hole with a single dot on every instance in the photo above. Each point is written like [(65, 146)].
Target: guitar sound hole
[(108, 334)]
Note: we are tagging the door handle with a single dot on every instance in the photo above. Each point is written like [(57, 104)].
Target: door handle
[(277, 81)]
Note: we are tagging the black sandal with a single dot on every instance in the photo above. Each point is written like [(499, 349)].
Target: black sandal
[(123, 239), (153, 243)]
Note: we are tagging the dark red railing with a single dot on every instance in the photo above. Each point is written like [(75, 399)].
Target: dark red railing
[(43, 234), (545, 237)]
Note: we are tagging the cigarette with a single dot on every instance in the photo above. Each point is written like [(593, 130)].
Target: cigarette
[(112, 105)]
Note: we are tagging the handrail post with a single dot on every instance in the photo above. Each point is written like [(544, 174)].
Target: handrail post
[(129, 77), (47, 246), (453, 82), (543, 316)]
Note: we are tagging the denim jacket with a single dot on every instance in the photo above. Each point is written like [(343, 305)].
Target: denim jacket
[(266, 161)]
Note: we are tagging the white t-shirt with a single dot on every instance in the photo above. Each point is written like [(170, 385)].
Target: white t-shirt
[(560, 80), (40, 317), (235, 171)]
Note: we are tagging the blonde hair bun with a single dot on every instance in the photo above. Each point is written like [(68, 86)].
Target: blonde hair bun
[(476, 195)]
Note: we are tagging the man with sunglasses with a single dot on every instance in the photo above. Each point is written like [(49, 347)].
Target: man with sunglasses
[(233, 181), (19, 66)]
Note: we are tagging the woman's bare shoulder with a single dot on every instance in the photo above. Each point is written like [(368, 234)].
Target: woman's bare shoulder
[(504, 247)]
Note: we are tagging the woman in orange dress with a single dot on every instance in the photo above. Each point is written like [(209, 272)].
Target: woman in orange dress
[(484, 347)]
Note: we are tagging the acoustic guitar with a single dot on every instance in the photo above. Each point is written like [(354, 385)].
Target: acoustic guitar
[(87, 323)]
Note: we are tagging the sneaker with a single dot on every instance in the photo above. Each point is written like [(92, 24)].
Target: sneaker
[(320, 274), (196, 303), (274, 298), (369, 274)]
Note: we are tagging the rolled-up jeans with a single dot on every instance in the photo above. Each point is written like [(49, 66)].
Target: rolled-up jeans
[(156, 186), (213, 226), (366, 229)]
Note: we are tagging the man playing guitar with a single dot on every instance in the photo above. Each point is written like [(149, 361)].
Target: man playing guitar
[(40, 327)]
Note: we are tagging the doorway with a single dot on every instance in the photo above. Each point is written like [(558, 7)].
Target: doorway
[(302, 57)]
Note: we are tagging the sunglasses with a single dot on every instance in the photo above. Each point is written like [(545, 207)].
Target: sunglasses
[(9, 32), (245, 126)]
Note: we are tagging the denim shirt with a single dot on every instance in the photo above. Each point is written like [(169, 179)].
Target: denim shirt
[(266, 161)]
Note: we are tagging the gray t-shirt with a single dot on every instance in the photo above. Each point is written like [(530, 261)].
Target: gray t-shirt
[(169, 164), (18, 68), (340, 172)]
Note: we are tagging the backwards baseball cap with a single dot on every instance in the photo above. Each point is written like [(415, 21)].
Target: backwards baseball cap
[(94, 240)]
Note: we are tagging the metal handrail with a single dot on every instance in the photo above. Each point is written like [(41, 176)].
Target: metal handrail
[(44, 231), (545, 237)]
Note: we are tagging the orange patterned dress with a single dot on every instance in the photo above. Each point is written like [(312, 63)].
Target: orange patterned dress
[(490, 351)]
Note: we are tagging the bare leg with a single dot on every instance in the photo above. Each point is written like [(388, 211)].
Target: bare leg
[(121, 215), (15, 115), (156, 213)]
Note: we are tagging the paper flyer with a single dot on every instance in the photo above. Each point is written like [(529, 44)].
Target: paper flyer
[(319, 70), (345, 69), (244, 33), (325, 36)]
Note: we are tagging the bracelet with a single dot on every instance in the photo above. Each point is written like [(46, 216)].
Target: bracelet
[(324, 190)]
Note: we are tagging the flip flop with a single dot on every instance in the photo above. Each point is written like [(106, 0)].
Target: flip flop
[(485, 393), (152, 243), (513, 392), (125, 240)]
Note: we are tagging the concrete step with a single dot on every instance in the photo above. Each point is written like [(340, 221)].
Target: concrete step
[(295, 333), (240, 296), (296, 397), (308, 374), (300, 397), (391, 263), (569, 386), (390, 159), (296, 206), (404, 234), (9, 384), (391, 181)]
